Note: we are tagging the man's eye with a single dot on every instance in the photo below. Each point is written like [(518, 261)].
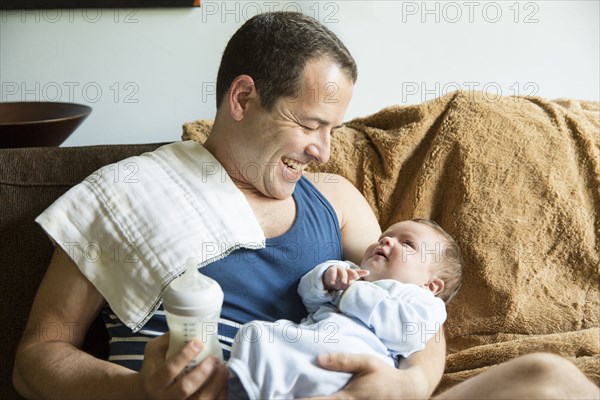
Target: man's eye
[(334, 131), (308, 128)]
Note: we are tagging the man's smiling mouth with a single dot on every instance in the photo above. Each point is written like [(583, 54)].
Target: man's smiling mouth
[(293, 164)]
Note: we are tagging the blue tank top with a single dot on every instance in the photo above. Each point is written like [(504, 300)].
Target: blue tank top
[(258, 284)]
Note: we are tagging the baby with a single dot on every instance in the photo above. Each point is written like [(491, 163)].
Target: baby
[(389, 307)]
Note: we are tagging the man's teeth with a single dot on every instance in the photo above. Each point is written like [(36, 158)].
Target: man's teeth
[(293, 164)]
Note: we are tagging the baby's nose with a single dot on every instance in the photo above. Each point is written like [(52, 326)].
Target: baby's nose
[(386, 241)]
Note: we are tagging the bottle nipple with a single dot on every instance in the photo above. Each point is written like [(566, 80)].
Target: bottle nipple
[(191, 280), (193, 293), (191, 273)]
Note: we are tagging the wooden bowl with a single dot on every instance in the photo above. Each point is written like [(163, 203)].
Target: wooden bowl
[(39, 123)]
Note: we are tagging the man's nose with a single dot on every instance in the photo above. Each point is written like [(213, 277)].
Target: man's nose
[(320, 149)]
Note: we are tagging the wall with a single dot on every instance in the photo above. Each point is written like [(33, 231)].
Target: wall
[(146, 71)]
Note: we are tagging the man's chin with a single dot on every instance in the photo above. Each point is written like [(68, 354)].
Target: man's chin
[(282, 191), (282, 195), (285, 190)]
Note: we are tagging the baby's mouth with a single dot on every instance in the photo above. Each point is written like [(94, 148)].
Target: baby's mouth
[(380, 252)]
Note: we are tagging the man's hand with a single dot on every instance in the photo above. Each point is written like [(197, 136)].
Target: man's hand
[(373, 378), (339, 278), (158, 377)]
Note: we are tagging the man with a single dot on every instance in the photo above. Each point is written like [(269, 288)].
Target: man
[(283, 87)]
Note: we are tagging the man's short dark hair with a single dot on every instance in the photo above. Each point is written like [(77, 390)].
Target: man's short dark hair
[(273, 48)]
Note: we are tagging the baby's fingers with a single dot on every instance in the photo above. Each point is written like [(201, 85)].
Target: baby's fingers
[(362, 272), (344, 276), (354, 274), (330, 277)]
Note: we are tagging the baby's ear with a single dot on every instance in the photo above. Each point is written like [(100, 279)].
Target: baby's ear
[(436, 285)]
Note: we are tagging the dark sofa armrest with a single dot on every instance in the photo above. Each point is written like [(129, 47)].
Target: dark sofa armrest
[(30, 180)]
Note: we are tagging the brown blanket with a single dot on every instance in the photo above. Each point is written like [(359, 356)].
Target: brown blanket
[(516, 181)]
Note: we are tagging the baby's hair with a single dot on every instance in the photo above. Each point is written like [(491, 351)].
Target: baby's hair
[(451, 265)]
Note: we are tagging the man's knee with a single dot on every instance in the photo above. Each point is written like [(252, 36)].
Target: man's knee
[(531, 376), (541, 365), (554, 375)]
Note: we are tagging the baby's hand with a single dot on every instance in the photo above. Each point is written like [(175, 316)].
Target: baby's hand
[(339, 278)]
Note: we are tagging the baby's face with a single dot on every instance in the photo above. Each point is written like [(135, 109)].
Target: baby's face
[(407, 252)]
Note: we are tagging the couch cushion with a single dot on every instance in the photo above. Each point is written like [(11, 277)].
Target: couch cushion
[(30, 180), (516, 181)]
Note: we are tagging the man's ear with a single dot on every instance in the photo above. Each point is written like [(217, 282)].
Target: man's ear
[(436, 285), (241, 93)]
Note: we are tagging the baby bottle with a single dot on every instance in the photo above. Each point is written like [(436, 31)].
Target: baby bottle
[(192, 304)]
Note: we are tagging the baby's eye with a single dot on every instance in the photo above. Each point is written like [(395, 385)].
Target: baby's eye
[(410, 244)]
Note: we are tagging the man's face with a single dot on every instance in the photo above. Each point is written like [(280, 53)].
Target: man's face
[(406, 252), (278, 145)]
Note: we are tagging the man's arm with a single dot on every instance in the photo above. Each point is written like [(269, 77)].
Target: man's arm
[(358, 225), (419, 374), (51, 366), (416, 378), (425, 368)]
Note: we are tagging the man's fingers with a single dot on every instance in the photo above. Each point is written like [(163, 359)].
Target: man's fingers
[(215, 382), (165, 379), (177, 363), (338, 395), (154, 358), (157, 348), (208, 376), (344, 362)]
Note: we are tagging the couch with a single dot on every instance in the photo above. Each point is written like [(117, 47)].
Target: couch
[(30, 180), (516, 181)]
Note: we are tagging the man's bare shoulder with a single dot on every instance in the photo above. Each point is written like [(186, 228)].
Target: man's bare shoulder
[(358, 224), (329, 184), (336, 189), (339, 191)]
